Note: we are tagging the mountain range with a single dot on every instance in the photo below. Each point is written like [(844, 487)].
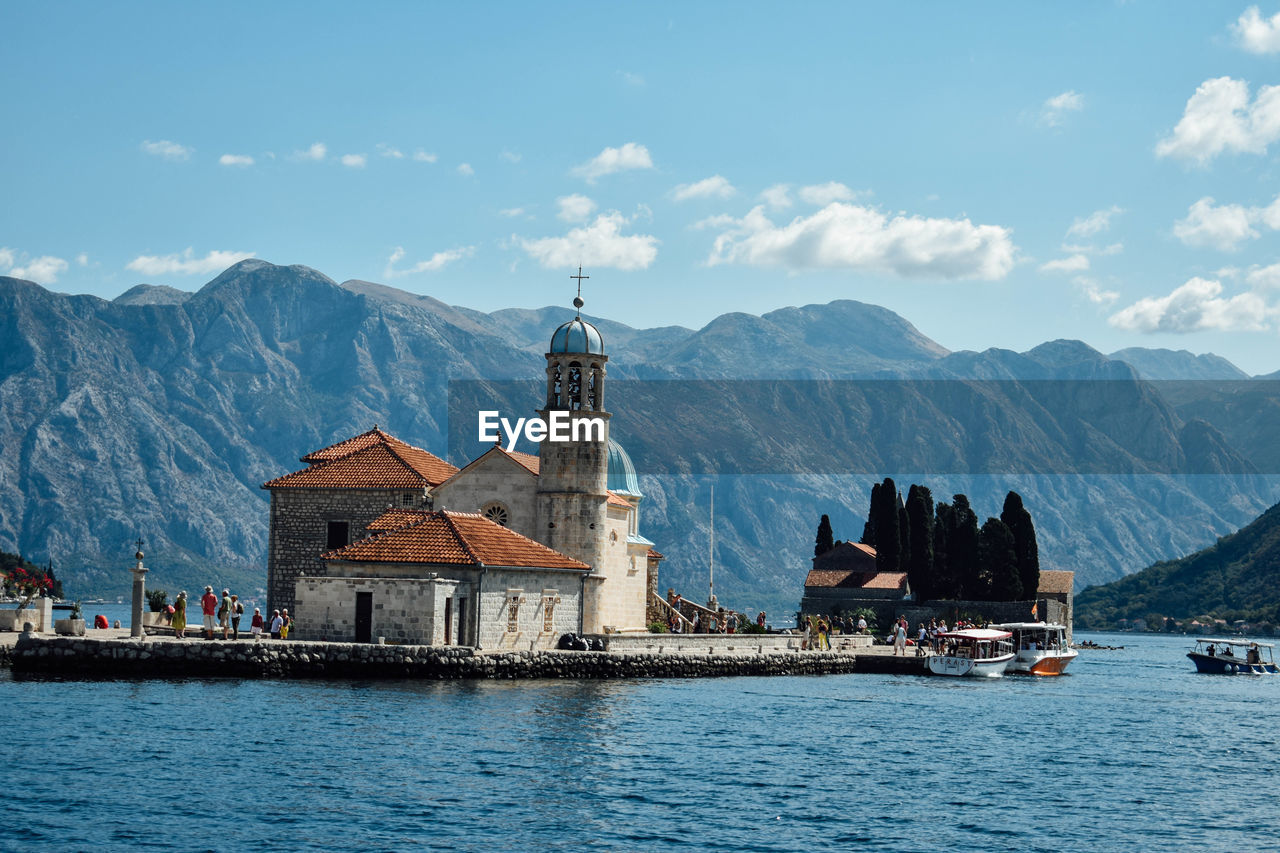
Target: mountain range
[(159, 414)]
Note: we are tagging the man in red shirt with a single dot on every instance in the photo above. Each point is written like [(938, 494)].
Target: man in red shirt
[(209, 604)]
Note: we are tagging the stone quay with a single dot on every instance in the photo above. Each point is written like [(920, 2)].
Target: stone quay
[(131, 658)]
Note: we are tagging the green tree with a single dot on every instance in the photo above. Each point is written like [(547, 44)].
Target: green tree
[(944, 583), (869, 529), (962, 548), (920, 572), (825, 541), (998, 560), (888, 528), (1018, 520)]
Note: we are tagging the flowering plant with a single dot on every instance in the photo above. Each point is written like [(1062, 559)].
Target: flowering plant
[(27, 584)]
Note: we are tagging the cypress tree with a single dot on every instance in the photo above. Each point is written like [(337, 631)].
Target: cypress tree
[(998, 577), (869, 529), (962, 547), (888, 530), (825, 541), (904, 537), (944, 582), (1018, 519), (920, 571)]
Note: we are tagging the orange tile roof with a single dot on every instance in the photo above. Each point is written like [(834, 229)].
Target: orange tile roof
[(528, 460), (655, 555), (1053, 582), (615, 499), (394, 519), (846, 579), (372, 460), (453, 538)]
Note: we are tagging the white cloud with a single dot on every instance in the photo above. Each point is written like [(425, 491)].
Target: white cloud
[(185, 263), (1219, 117), (610, 160), (465, 170), (385, 150), (631, 79), (438, 261), (235, 160), (1257, 34), (511, 156), (845, 236), (82, 259), (42, 270), (354, 161), (317, 152), (1264, 277), (778, 196), (575, 208), (424, 156), (823, 194), (511, 211), (600, 244), (1053, 112), (1074, 263), (716, 186), (1194, 307), (1094, 292), (1094, 223), (166, 149), (1222, 227)]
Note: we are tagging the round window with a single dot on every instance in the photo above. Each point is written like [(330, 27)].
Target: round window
[(496, 512)]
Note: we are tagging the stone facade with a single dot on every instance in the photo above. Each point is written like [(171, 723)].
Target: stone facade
[(495, 479), (486, 608), (299, 531)]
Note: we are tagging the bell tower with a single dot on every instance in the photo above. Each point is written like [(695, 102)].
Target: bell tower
[(573, 475)]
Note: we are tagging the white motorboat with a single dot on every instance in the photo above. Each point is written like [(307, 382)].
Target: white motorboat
[(1040, 648), (982, 652)]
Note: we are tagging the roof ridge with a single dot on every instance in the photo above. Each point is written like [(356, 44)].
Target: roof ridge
[(461, 537)]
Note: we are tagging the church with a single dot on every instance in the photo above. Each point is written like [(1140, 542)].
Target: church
[(378, 538)]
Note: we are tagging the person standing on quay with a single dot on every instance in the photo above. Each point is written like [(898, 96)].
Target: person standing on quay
[(285, 624), (180, 616), (224, 614), (255, 626), (237, 610), (277, 622), (208, 606), (900, 639)]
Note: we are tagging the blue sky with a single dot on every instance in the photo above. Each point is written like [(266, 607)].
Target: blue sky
[(1000, 174)]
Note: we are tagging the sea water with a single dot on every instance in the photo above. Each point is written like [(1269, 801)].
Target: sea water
[(1131, 750)]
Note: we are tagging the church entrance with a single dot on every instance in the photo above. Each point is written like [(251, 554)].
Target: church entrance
[(364, 617), (448, 621)]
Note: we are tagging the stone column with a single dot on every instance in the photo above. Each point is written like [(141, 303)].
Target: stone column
[(139, 594)]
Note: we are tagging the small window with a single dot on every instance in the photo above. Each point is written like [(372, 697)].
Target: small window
[(549, 602), (496, 512), (513, 613), (337, 535), (407, 499)]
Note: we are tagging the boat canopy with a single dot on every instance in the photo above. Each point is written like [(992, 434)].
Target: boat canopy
[(1238, 643), (1030, 626), (977, 634)]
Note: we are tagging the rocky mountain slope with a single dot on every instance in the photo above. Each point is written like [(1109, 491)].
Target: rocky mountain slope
[(160, 413), (1237, 577)]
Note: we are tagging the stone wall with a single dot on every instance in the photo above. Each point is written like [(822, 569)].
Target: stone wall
[(723, 644), (289, 659), (493, 477), (299, 530)]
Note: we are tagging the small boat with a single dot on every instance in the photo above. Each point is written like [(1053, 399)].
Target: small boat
[(973, 651), (1234, 657), (1040, 648)]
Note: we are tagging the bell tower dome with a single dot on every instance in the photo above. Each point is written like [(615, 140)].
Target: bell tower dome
[(573, 475)]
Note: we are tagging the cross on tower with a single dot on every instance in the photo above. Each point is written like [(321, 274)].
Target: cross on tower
[(577, 300), (140, 543)]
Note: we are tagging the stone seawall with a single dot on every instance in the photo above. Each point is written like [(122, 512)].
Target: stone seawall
[(132, 659)]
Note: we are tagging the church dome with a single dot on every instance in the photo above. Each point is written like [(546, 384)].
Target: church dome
[(577, 336), (622, 474)]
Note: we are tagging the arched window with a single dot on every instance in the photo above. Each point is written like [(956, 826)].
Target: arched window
[(555, 399), (575, 386), (496, 512)]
